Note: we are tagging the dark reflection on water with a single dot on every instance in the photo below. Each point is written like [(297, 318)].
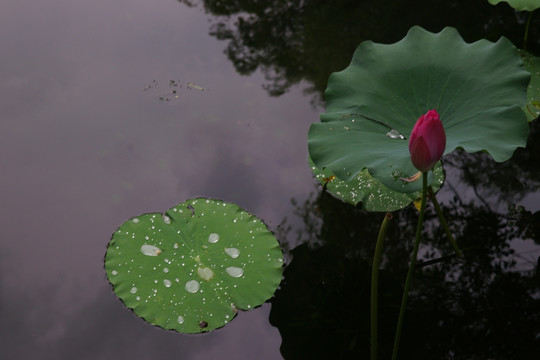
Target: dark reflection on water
[(294, 41), (83, 147), (485, 307)]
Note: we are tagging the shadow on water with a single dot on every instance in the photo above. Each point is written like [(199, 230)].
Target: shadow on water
[(305, 41), (487, 306), (85, 148)]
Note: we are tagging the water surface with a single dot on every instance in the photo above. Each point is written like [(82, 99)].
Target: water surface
[(92, 134)]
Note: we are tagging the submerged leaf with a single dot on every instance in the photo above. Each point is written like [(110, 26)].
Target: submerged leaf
[(193, 268)]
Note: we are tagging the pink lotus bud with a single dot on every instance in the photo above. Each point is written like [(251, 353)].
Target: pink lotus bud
[(427, 141)]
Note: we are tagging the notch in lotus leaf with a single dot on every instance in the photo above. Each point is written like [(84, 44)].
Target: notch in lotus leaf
[(479, 89), (528, 5), (193, 268)]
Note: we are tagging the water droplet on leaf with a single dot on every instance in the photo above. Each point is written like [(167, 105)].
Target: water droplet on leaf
[(234, 271), (150, 250), (192, 286), (205, 273), (232, 252), (213, 238), (394, 134)]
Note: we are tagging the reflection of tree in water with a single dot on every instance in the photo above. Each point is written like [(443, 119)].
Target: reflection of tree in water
[(481, 308), (511, 180), (305, 40), (477, 309)]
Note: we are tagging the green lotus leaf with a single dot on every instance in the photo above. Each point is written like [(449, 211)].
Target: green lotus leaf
[(520, 5), (532, 65), (478, 89), (366, 190), (194, 267)]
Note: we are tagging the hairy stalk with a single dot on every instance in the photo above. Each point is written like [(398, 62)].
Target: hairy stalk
[(375, 282), (411, 267)]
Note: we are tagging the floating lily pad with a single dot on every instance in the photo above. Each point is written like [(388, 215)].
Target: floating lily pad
[(520, 5), (532, 64), (366, 190), (194, 267), (478, 89)]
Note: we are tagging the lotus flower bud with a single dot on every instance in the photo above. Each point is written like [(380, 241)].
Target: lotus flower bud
[(427, 141)]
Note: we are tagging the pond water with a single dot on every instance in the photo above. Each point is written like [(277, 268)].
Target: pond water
[(114, 109)]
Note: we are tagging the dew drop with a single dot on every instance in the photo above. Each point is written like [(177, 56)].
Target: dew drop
[(192, 286), (165, 270), (234, 271), (213, 238), (394, 134), (114, 272), (166, 219), (133, 290), (138, 298), (167, 283), (180, 319), (150, 250), (135, 220), (232, 252), (205, 273)]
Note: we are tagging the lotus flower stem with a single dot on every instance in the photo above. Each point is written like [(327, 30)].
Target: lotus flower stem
[(375, 282), (529, 18), (444, 223), (411, 267)]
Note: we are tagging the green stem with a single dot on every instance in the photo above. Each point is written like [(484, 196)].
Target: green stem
[(375, 282), (411, 267), (444, 223), (529, 18)]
